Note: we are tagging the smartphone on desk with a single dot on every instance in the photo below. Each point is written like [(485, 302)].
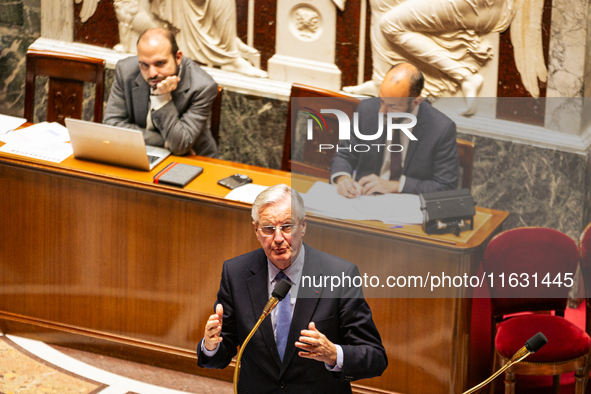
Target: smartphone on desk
[(233, 181)]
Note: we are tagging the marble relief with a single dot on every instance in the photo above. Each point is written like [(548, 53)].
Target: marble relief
[(445, 39), (205, 31), (539, 187)]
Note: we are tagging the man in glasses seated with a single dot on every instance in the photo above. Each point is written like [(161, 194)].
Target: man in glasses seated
[(315, 341)]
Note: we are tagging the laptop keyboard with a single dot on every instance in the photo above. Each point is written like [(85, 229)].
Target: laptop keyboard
[(152, 158)]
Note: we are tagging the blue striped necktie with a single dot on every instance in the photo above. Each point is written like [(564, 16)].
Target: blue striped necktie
[(283, 319)]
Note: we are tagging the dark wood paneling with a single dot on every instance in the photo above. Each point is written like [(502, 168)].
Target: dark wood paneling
[(101, 29), (265, 26), (347, 45), (102, 253), (509, 83)]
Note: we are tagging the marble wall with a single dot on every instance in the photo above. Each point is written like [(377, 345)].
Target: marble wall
[(20, 25), (252, 129), (538, 186)]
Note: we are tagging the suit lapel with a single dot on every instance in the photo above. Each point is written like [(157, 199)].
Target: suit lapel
[(141, 100), (257, 288), (304, 308), (418, 132)]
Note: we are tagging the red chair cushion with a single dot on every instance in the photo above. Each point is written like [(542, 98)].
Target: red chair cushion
[(565, 340)]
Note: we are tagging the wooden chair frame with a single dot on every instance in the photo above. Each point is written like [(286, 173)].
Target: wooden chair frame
[(301, 91), (216, 110), (466, 156), (67, 74)]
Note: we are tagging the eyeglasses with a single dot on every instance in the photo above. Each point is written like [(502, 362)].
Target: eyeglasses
[(286, 229)]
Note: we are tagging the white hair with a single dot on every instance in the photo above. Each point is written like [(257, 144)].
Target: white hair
[(275, 194)]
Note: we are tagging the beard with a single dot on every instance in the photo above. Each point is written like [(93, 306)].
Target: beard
[(154, 81)]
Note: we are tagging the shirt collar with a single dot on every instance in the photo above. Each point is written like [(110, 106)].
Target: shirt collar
[(293, 272)]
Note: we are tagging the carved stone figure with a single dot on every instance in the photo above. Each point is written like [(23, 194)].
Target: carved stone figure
[(134, 17), (206, 29), (444, 39), (207, 33), (307, 21)]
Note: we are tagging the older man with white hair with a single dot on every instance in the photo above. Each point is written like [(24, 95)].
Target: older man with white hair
[(335, 338)]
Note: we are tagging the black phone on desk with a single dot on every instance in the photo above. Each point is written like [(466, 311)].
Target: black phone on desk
[(233, 181)]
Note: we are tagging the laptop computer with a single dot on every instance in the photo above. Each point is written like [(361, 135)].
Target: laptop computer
[(113, 145)]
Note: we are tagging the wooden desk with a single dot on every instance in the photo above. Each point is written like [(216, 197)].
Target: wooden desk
[(94, 255)]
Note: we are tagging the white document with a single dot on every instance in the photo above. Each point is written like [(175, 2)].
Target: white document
[(39, 134), (323, 199), (246, 193), (9, 123), (55, 152)]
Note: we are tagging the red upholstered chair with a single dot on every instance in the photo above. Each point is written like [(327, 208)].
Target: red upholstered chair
[(530, 250)]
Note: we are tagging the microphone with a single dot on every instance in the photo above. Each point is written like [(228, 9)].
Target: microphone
[(279, 292), (532, 345), (536, 342)]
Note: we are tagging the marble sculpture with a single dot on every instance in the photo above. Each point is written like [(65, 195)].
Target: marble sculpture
[(206, 29), (444, 39)]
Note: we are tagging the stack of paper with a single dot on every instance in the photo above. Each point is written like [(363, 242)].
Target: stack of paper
[(9, 123), (323, 199), (43, 141)]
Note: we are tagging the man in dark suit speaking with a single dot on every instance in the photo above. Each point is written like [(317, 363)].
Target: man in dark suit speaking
[(403, 165), (310, 344)]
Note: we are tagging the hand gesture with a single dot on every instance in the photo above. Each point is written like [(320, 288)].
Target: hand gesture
[(317, 346), (371, 184), (213, 329), (347, 187), (167, 85)]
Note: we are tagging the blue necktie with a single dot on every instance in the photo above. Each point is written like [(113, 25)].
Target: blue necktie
[(283, 319)]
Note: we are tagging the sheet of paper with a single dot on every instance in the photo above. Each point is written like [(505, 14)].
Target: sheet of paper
[(246, 193), (323, 199), (55, 152), (39, 134), (9, 123)]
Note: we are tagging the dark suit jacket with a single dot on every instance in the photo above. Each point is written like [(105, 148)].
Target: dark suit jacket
[(431, 162), (345, 321), (182, 122)]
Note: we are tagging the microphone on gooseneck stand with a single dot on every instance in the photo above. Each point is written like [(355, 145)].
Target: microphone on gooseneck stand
[(536, 342), (279, 292), (533, 344)]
